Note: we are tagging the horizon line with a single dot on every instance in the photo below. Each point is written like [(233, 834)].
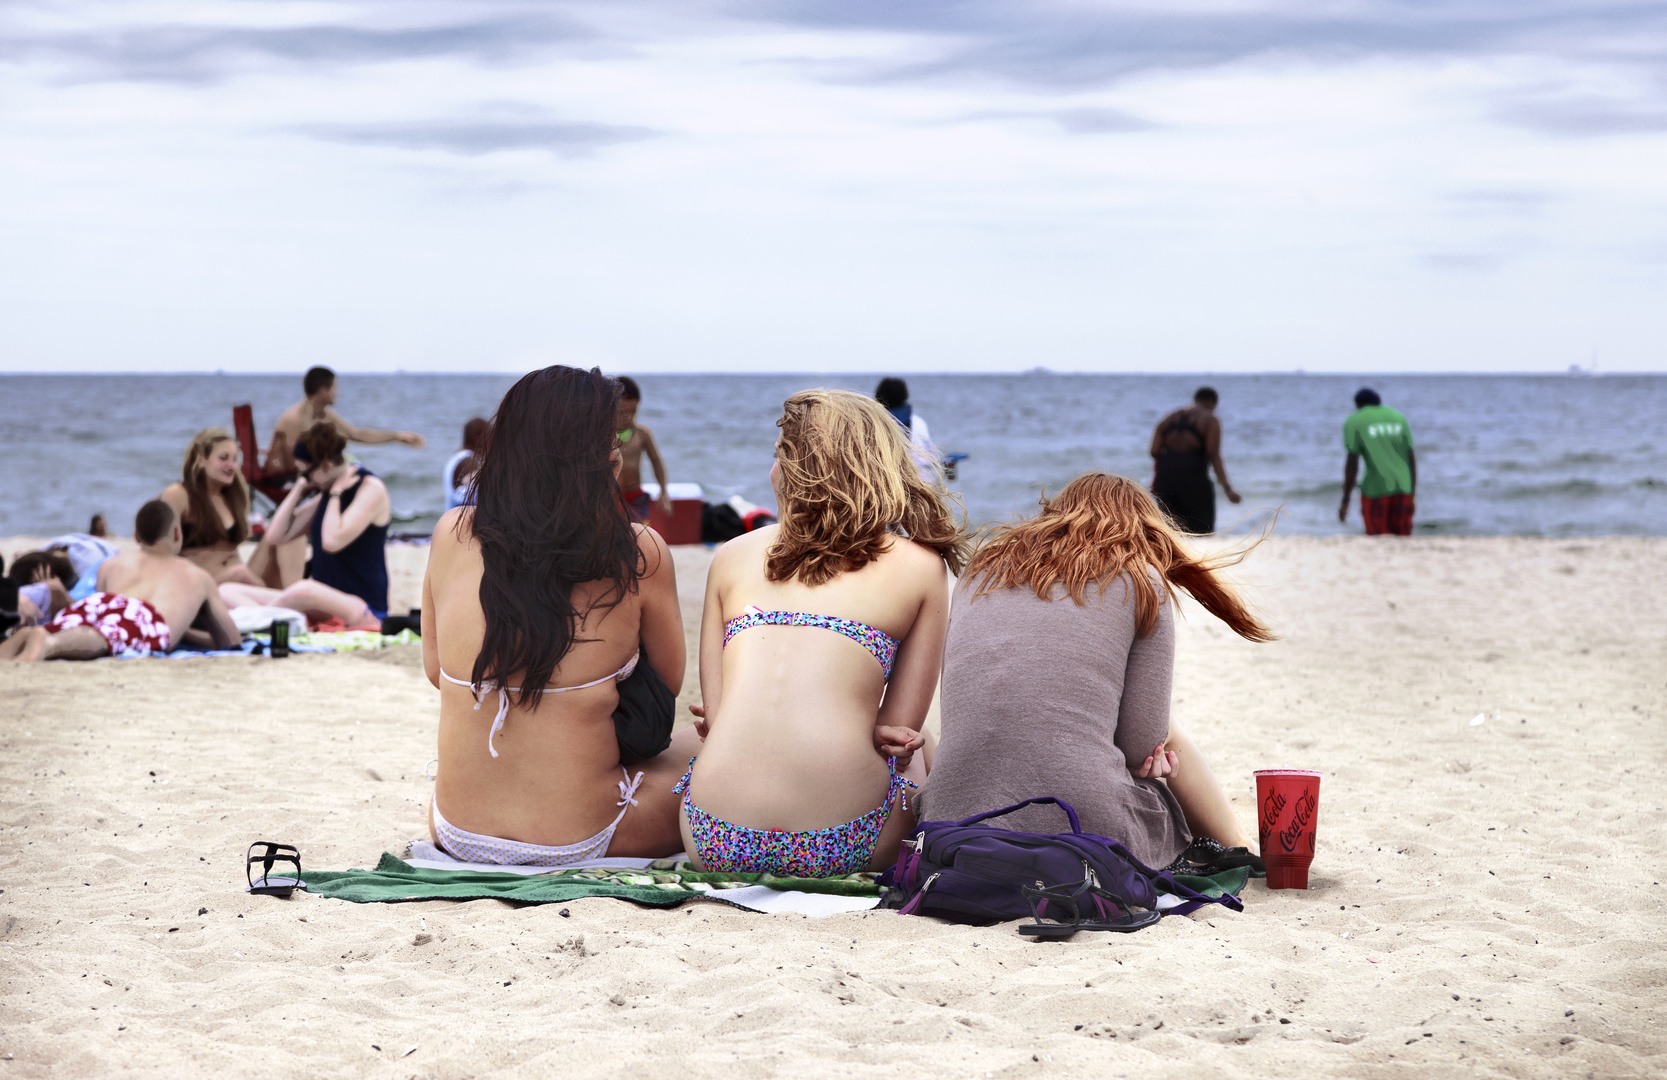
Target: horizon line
[(1573, 372)]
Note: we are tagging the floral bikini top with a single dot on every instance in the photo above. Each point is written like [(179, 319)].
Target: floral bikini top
[(878, 642)]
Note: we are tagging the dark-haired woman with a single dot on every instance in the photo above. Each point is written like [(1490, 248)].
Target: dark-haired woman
[(1060, 653), (344, 509), (537, 602), (212, 501), (819, 652)]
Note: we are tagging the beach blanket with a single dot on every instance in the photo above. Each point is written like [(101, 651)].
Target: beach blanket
[(346, 641), (429, 874), (657, 883)]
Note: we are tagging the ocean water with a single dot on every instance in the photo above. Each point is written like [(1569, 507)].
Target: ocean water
[(1519, 455)]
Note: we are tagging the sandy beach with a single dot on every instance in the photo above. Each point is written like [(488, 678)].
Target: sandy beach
[(1486, 899)]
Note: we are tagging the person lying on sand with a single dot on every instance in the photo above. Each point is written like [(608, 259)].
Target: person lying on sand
[(344, 509), (43, 579), (575, 595), (819, 651), (148, 601), (1059, 658)]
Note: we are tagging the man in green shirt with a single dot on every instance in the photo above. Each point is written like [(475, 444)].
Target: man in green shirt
[(1380, 435)]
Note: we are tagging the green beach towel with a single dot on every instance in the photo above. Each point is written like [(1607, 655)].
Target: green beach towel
[(664, 883), (661, 884)]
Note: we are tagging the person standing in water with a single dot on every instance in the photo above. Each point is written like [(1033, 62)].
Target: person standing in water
[(1382, 436), (1186, 445), (635, 440)]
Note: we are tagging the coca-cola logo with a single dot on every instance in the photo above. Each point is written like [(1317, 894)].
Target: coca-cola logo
[(1301, 816), (1272, 807)]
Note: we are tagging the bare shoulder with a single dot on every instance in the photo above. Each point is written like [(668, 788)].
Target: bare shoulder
[(200, 580), (453, 529), (175, 496), (912, 555), (656, 554)]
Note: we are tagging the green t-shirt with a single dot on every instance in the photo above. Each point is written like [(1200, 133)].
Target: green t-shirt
[(1381, 437)]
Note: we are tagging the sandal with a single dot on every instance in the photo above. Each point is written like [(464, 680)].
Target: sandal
[(1204, 857), (1107, 911), (273, 853)]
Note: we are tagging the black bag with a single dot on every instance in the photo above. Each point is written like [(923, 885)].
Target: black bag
[(644, 715), (719, 522), (965, 871)]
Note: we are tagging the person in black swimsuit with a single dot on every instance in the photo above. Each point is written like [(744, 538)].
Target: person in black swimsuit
[(344, 510), (1185, 445)]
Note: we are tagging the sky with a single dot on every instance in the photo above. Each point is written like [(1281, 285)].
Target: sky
[(768, 185)]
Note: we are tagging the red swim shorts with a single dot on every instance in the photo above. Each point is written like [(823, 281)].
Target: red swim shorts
[(1390, 514), (636, 503), (127, 625)]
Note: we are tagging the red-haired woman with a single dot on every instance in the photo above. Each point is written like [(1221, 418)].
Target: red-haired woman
[(819, 651), (1060, 652)]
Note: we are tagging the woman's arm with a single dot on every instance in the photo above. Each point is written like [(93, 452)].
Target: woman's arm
[(370, 506), (291, 520), (1143, 712), (431, 647), (712, 639), (914, 676), (661, 627)]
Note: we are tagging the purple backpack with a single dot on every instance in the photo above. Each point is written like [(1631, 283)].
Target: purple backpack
[(971, 873)]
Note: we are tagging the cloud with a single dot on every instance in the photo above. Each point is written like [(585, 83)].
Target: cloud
[(472, 137), (195, 54), (1099, 121), (1471, 262), (1587, 116), (1075, 45)]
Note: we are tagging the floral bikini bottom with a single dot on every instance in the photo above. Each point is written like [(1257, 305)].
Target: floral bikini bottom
[(839, 849)]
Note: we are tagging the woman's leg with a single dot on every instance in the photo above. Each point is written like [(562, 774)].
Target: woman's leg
[(1202, 800), (652, 829), (316, 598), (238, 594)]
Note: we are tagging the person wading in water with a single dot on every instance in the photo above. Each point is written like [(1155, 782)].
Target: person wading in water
[(1186, 445)]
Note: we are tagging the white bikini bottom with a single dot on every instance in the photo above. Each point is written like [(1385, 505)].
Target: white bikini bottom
[(475, 848)]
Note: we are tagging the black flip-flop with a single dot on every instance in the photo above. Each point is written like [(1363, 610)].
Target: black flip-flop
[(1205, 856), (1107, 911), (268, 885)]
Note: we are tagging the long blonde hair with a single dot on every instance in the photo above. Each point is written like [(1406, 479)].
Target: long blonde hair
[(847, 479), (1101, 526), (206, 527)]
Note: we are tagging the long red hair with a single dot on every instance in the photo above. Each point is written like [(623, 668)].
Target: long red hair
[(1099, 527)]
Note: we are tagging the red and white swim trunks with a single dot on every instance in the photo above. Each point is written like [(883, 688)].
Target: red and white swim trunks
[(128, 625)]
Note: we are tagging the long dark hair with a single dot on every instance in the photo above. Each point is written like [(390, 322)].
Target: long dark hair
[(547, 516)]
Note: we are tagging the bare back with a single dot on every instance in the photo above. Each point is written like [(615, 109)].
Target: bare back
[(555, 779), (176, 587), (806, 699)]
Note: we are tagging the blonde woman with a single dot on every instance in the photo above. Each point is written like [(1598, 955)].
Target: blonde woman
[(1061, 650), (819, 652), (212, 501)]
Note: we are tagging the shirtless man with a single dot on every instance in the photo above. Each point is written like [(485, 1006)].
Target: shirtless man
[(147, 601), (1185, 445), (635, 440), (319, 384)]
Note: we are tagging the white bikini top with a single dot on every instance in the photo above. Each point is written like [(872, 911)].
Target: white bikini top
[(504, 691)]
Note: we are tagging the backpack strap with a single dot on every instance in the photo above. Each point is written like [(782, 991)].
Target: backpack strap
[(1076, 826)]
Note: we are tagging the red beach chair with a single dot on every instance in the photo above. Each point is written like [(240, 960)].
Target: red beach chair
[(271, 485)]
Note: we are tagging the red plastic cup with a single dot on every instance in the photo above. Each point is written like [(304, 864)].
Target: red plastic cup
[(1287, 804)]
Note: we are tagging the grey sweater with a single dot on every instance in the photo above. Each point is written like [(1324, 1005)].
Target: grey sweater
[(1049, 698)]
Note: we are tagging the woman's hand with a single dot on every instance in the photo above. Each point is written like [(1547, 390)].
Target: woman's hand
[(701, 726), (344, 481), (898, 742), (1159, 765)]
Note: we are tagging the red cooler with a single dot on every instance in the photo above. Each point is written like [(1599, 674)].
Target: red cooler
[(682, 525)]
